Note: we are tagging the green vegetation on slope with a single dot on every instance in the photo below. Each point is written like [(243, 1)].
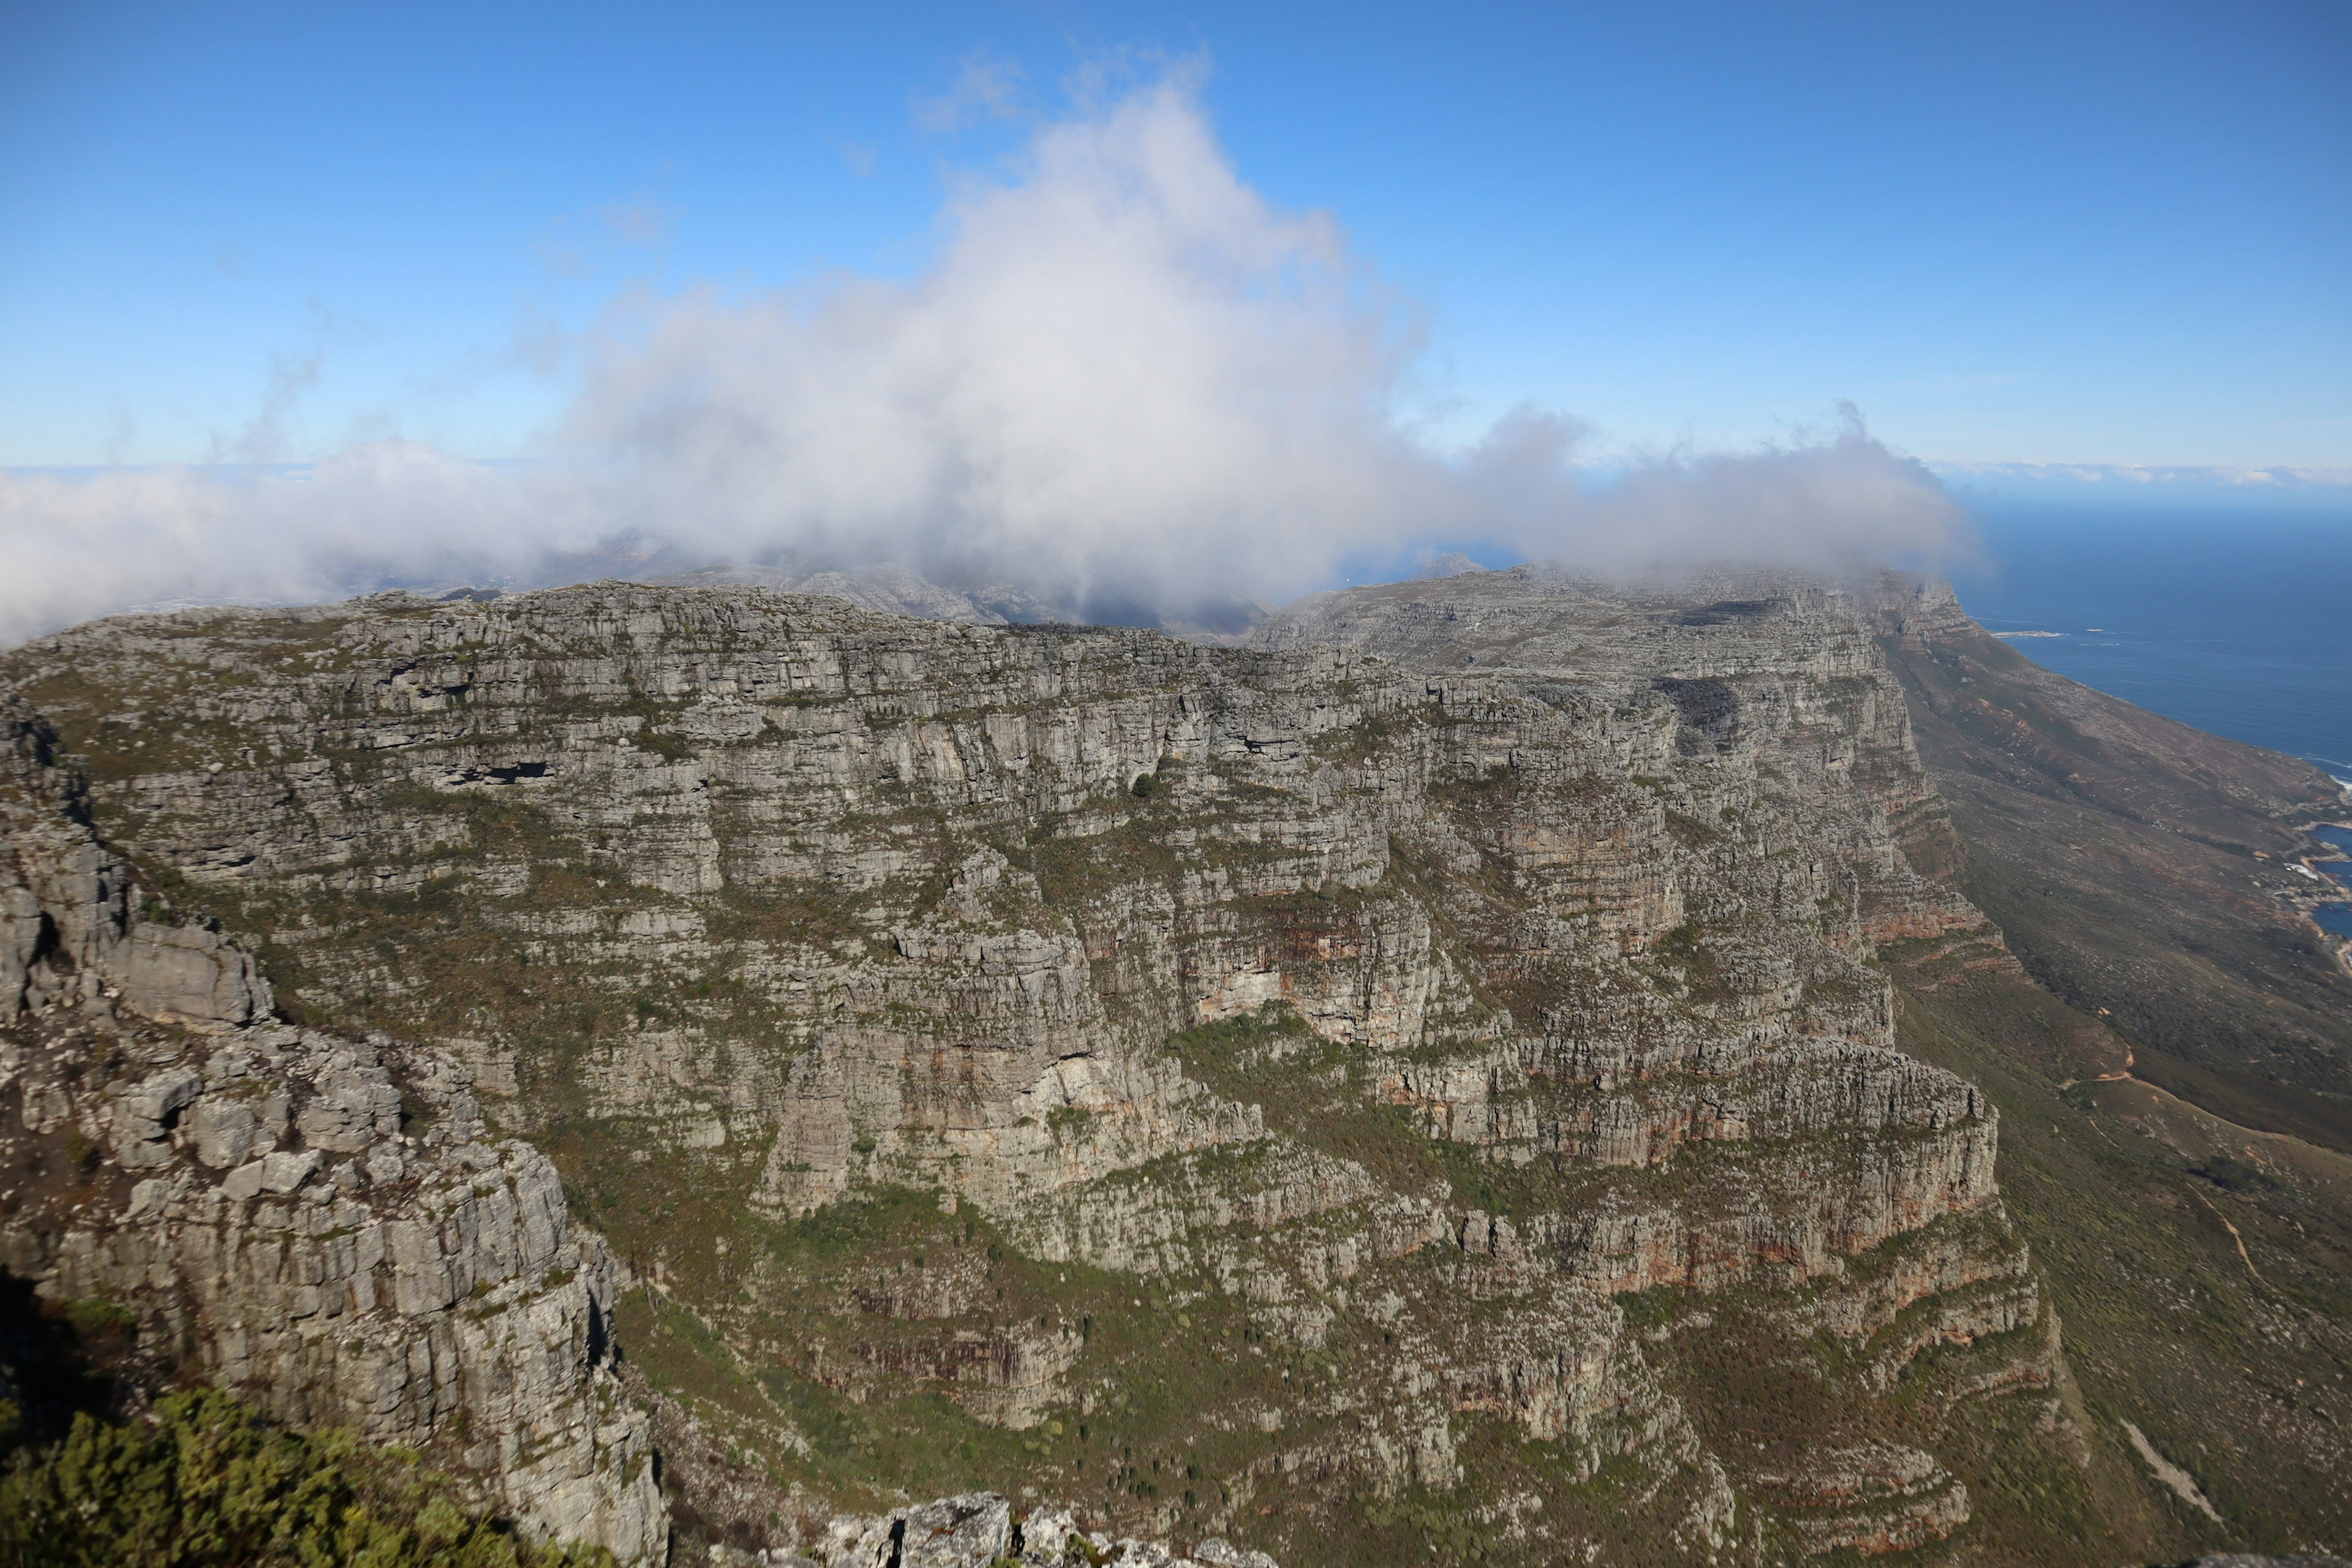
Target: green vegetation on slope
[(206, 1483), (2237, 1367), (2137, 868)]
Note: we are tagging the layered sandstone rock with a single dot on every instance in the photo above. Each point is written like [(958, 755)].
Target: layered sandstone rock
[(1399, 994), (317, 1224), (981, 1530)]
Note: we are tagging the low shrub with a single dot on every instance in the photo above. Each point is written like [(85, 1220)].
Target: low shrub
[(206, 1483)]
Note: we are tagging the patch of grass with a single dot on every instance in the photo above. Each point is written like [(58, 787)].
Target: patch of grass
[(1324, 1094), (96, 1316), (1374, 734), (1072, 868)]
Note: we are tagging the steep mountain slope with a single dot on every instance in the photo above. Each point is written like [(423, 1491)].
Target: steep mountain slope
[(2143, 870), (316, 1224), (2175, 1141), (1443, 1105), (2199, 1264)]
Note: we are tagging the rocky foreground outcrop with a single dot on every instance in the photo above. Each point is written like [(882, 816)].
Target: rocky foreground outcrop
[(318, 1224), (981, 1530), (1424, 1087)]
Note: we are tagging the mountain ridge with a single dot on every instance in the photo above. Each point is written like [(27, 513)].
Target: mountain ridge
[(1516, 961)]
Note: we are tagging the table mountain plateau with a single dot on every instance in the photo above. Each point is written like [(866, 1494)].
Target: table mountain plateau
[(1500, 1069)]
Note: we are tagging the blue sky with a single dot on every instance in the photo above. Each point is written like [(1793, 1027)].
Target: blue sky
[(1145, 308), (2045, 233)]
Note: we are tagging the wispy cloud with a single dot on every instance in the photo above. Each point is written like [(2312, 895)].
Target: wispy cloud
[(642, 221), (987, 87), (580, 243), (2276, 476), (1125, 380), (266, 436)]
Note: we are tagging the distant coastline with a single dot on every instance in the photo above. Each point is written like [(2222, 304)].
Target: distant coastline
[(2227, 620)]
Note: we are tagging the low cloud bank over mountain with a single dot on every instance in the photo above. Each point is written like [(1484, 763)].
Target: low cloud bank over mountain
[(1125, 385)]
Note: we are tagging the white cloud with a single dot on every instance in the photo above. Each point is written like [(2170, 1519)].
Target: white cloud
[(79, 547), (1125, 381), (1124, 373)]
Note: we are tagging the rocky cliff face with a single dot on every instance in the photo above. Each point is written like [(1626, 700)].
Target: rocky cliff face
[(1425, 1083), (2177, 1085), (315, 1223)]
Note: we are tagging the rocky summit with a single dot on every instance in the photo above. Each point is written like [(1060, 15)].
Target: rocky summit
[(1501, 1068)]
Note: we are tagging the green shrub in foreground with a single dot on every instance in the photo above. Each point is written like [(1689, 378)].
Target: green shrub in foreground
[(206, 1483)]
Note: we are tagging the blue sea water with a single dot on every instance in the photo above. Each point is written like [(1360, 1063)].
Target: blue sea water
[(2335, 918), (2234, 620)]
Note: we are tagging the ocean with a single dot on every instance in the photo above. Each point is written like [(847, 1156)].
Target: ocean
[(2336, 919), (2236, 621)]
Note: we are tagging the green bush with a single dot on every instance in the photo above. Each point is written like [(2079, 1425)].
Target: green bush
[(206, 1483), (100, 1317)]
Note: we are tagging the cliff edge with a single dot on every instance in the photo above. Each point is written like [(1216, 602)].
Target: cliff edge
[(316, 1223)]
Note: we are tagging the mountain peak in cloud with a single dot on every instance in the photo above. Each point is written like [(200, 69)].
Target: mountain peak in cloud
[(1125, 383)]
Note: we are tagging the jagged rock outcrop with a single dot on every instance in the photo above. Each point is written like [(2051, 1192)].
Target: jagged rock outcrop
[(66, 913), (1312, 1066), (981, 1530), (320, 1224)]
